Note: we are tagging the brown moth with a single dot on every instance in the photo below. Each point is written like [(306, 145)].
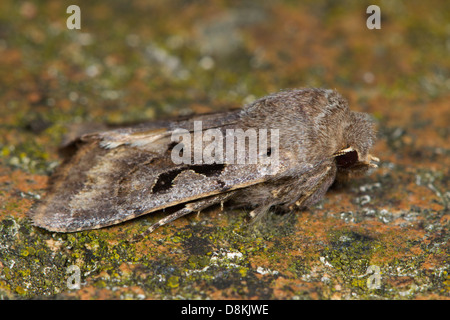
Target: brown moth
[(120, 174)]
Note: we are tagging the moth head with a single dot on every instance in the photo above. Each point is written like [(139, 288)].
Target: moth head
[(358, 137)]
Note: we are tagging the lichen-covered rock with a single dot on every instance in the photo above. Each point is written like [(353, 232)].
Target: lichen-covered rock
[(382, 236)]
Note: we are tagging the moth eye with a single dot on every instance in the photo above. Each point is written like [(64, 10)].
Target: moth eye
[(269, 152), (347, 160)]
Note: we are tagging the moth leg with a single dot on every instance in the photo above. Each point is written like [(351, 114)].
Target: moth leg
[(190, 207)]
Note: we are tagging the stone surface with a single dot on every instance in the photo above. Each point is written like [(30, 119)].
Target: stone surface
[(383, 236)]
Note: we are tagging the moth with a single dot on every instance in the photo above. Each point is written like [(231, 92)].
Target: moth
[(295, 144)]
